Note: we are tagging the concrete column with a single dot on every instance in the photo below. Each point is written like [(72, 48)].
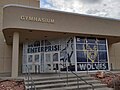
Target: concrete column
[(15, 55)]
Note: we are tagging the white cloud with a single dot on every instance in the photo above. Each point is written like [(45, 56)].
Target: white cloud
[(103, 8)]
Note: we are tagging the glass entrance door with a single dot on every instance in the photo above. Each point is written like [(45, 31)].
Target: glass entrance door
[(52, 60), (47, 62), (33, 62)]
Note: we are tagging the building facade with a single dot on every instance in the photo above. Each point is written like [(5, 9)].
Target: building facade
[(49, 41), (6, 50)]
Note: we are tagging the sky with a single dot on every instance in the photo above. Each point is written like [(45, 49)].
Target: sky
[(102, 8)]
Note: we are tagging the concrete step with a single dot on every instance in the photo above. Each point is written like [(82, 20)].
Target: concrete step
[(61, 85), (57, 78), (57, 82), (75, 87), (57, 74), (62, 81), (45, 76)]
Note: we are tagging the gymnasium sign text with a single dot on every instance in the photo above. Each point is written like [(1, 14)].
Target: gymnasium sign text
[(37, 19)]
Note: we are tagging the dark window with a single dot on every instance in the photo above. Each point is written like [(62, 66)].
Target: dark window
[(91, 40), (92, 54), (81, 56), (102, 56), (80, 40), (102, 47), (91, 47), (101, 41), (80, 46)]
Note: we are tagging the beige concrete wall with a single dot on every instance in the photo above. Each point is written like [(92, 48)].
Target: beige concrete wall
[(63, 22), (117, 55), (6, 50), (114, 53)]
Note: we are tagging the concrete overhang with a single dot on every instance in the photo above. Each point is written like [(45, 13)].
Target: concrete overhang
[(36, 24)]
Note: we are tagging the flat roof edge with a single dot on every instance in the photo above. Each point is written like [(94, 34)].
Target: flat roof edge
[(18, 5), (45, 9)]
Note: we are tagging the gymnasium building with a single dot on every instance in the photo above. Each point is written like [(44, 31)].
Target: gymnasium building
[(50, 41)]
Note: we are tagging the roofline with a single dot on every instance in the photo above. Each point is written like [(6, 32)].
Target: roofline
[(45, 9)]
